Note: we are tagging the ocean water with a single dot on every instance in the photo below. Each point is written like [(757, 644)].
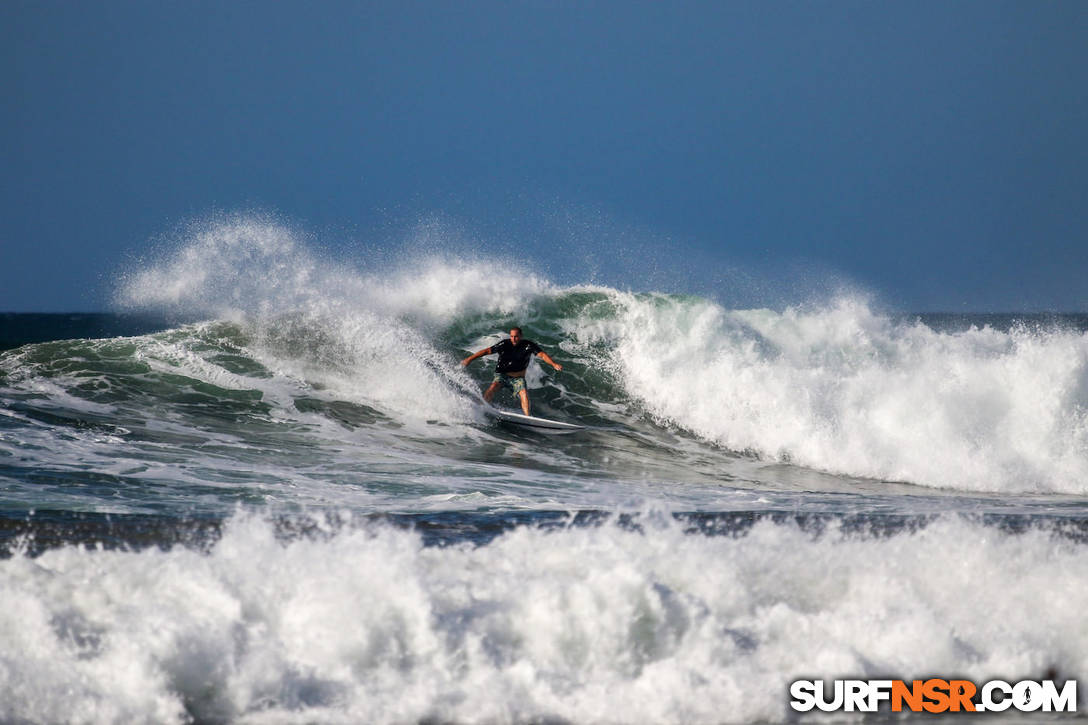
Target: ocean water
[(264, 490)]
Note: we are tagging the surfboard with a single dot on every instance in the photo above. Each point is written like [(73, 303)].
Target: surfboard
[(529, 421)]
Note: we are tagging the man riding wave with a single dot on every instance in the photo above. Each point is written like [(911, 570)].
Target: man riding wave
[(514, 355)]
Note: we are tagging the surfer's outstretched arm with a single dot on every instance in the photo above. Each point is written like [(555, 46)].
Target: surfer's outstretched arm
[(544, 356), (473, 356)]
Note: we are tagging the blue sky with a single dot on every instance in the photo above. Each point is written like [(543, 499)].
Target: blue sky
[(934, 153)]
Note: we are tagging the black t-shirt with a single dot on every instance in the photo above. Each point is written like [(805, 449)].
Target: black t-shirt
[(514, 358)]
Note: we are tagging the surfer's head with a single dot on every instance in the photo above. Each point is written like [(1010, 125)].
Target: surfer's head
[(515, 334)]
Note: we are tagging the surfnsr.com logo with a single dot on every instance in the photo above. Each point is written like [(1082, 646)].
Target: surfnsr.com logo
[(933, 695)]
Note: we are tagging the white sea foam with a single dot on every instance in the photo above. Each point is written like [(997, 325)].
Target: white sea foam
[(584, 624), (847, 390)]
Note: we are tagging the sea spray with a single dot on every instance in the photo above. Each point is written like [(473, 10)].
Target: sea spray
[(251, 267)]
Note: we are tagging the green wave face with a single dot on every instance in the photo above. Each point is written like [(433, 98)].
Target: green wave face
[(680, 394), (303, 410)]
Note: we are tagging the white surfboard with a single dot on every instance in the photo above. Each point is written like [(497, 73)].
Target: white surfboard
[(529, 421)]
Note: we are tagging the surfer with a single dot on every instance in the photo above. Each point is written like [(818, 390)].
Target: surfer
[(514, 355)]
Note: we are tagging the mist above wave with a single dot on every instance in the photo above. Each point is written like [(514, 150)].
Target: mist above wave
[(246, 266)]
